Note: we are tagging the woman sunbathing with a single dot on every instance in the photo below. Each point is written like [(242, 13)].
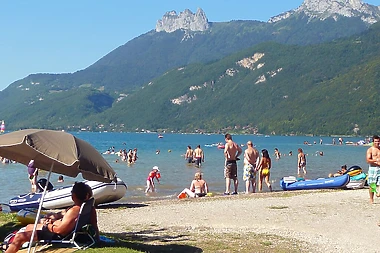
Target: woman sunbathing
[(198, 187), (340, 172)]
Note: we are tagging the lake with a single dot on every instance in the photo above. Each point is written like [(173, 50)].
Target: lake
[(176, 174)]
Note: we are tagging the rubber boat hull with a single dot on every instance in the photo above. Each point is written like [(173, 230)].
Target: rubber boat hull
[(320, 183), (61, 197)]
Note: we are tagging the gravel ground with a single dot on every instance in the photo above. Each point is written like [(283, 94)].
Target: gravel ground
[(327, 221)]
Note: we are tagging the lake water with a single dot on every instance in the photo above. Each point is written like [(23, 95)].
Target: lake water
[(176, 174)]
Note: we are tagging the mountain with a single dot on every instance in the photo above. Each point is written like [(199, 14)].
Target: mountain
[(335, 9), (331, 88), (92, 96), (186, 20), (177, 42)]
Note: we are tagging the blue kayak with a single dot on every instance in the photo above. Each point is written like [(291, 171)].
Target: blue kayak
[(291, 183)]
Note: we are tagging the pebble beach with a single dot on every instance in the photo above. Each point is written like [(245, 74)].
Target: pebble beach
[(324, 221)]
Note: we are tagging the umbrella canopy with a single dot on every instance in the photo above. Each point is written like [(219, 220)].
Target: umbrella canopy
[(68, 154)]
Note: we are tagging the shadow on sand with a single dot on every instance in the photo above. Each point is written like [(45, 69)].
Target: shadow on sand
[(120, 205), (152, 240)]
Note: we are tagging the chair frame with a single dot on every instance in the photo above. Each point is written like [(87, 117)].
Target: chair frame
[(81, 228)]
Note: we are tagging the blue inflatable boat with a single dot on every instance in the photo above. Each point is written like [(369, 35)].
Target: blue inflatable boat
[(291, 183)]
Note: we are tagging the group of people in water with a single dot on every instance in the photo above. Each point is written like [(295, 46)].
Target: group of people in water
[(129, 156), (195, 156)]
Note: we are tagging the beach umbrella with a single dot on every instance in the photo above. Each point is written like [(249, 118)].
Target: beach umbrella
[(55, 151), (68, 154)]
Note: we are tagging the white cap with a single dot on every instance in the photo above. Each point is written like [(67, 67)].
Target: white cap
[(156, 168)]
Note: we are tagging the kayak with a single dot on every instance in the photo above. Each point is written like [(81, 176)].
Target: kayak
[(291, 183)]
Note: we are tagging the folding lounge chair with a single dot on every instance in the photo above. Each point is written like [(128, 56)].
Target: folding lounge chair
[(81, 228)]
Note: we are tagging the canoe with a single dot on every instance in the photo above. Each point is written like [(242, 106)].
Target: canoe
[(291, 183), (61, 197)]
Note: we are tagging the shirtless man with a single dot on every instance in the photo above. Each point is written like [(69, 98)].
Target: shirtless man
[(232, 151), (189, 154), (373, 159), (251, 160), (301, 162), (63, 226), (199, 156)]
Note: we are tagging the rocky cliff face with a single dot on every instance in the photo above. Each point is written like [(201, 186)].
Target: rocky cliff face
[(186, 20), (323, 9)]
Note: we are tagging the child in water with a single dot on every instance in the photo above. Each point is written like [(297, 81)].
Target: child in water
[(155, 173)]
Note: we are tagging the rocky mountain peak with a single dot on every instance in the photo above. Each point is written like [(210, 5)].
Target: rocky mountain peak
[(323, 9), (185, 20)]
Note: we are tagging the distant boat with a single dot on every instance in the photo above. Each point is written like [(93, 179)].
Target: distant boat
[(160, 136), (2, 127)]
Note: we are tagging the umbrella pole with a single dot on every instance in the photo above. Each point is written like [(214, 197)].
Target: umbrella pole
[(39, 208)]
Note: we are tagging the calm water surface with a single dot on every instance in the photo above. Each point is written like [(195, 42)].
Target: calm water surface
[(176, 174)]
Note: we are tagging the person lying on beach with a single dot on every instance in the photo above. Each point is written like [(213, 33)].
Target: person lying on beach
[(63, 227), (198, 187), (340, 172)]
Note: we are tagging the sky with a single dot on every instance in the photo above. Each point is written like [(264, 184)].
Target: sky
[(46, 36)]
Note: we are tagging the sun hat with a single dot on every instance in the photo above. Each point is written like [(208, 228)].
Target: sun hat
[(155, 168)]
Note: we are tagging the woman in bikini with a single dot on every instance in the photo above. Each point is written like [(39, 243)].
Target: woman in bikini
[(198, 188), (264, 169)]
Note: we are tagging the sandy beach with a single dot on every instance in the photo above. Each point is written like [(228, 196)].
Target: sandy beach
[(324, 221)]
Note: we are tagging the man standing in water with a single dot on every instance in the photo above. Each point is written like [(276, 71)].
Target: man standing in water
[(301, 162), (232, 151), (189, 154), (373, 159), (199, 156)]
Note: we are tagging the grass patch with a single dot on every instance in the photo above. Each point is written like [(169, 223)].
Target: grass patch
[(181, 239)]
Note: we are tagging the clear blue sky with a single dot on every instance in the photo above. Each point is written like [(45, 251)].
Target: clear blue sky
[(46, 36)]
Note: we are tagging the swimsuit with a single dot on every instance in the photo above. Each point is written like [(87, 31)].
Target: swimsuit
[(265, 171), (230, 170), (198, 160), (198, 188), (249, 172), (45, 234), (373, 175)]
